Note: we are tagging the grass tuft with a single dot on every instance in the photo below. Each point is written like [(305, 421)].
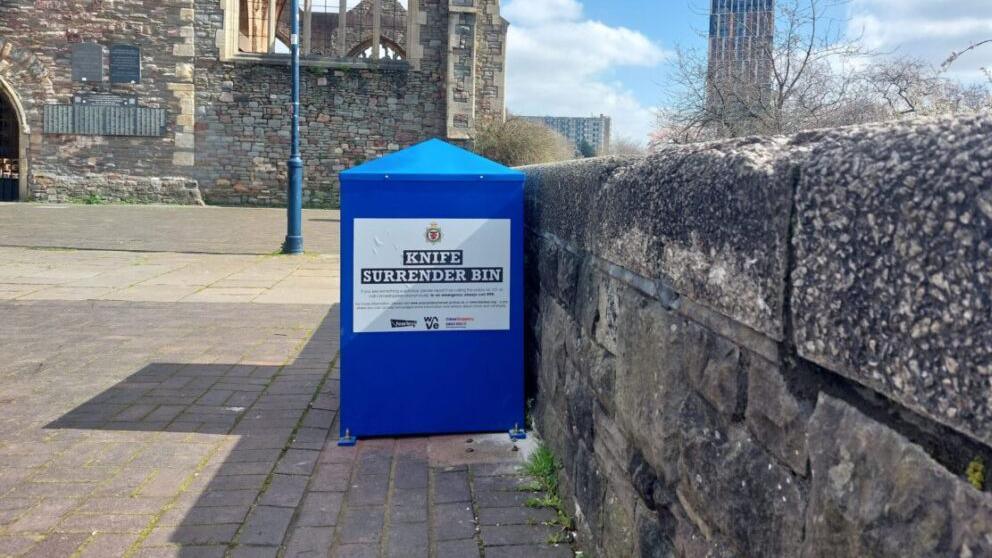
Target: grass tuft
[(543, 467), (976, 473)]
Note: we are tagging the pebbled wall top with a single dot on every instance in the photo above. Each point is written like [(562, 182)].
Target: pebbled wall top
[(709, 220), (889, 281), (893, 279)]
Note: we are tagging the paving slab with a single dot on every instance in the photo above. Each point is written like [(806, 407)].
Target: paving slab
[(162, 228), (41, 274)]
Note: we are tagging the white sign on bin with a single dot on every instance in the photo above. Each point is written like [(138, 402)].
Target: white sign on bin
[(431, 275)]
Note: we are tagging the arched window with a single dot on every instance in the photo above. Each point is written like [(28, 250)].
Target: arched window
[(328, 28), (388, 50)]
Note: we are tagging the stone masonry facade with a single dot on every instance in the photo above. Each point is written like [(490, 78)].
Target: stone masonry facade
[(226, 138), (770, 346)]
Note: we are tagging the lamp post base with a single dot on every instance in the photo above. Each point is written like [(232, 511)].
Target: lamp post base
[(292, 245), (294, 204)]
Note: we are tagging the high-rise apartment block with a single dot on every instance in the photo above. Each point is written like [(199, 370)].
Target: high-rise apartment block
[(594, 130), (740, 46)]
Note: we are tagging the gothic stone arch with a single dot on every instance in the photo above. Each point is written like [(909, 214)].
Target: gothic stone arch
[(25, 84)]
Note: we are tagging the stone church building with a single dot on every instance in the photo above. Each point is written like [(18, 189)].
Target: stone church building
[(186, 100)]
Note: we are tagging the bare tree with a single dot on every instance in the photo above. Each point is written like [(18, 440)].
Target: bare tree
[(811, 66), (818, 77), (910, 86), (624, 146), (958, 54)]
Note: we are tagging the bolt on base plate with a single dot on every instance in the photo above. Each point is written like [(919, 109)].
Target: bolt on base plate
[(347, 440)]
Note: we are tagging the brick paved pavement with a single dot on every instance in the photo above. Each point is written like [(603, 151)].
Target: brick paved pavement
[(199, 424), (162, 429)]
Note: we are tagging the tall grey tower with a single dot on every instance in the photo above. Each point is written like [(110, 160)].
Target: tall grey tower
[(740, 48)]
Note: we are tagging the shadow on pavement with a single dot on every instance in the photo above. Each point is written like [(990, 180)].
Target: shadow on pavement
[(282, 416)]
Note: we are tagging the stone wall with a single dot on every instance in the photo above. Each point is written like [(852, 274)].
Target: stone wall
[(35, 50), (769, 347), (349, 115), (228, 116)]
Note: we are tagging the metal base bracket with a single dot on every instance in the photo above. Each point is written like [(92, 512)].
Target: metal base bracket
[(347, 440), (517, 433)]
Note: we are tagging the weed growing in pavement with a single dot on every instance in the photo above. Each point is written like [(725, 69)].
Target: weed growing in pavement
[(543, 467)]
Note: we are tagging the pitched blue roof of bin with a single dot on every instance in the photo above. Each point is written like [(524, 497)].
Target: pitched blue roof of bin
[(433, 160)]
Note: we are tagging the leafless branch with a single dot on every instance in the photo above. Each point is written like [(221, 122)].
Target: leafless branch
[(818, 76)]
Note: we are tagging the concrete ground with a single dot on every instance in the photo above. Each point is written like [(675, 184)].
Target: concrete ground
[(67, 274), (170, 403), (162, 228)]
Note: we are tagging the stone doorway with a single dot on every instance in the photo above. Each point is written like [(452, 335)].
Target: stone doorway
[(10, 150)]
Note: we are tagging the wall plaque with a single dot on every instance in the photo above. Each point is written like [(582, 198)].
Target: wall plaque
[(87, 62), (104, 99), (104, 120), (125, 64)]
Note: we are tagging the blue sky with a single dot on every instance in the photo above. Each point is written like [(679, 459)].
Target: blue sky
[(584, 57)]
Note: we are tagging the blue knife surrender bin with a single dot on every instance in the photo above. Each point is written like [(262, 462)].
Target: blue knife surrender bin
[(432, 295)]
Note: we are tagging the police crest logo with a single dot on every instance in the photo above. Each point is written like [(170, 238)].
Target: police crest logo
[(433, 233)]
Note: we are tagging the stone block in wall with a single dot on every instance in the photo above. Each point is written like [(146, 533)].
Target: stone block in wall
[(735, 488), (554, 324), (721, 382), (588, 305), (557, 269), (605, 306), (598, 368), (655, 533), (618, 463), (874, 493), (776, 416), (619, 533), (657, 351), (893, 255), (689, 542), (579, 403), (590, 488)]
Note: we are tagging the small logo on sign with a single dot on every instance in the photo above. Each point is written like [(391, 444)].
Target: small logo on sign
[(397, 324), (433, 233)]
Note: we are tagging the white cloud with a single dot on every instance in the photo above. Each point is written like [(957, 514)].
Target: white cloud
[(533, 12), (559, 65), (928, 29)]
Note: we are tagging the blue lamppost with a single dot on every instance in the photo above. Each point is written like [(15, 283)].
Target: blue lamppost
[(294, 201)]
